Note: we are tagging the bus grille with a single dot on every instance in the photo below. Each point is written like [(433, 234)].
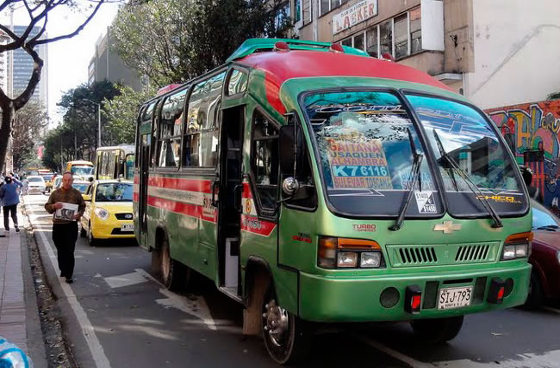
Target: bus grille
[(441, 254)]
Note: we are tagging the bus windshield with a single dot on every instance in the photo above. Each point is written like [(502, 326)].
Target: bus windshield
[(82, 170), (365, 144), (459, 133)]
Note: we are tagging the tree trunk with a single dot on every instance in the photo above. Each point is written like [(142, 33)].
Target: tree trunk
[(8, 113)]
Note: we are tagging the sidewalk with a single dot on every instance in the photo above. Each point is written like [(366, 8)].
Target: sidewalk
[(19, 322)]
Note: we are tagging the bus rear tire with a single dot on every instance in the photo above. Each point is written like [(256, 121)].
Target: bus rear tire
[(173, 273), (437, 330), (286, 337)]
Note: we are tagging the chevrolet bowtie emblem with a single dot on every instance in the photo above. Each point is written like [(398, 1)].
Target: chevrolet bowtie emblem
[(447, 227)]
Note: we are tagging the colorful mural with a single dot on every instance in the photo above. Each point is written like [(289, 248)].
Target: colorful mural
[(534, 127)]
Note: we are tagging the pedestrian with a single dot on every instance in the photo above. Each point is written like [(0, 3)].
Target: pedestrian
[(65, 225), (9, 193)]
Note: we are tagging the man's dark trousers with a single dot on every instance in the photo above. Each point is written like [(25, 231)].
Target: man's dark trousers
[(64, 237), (13, 210)]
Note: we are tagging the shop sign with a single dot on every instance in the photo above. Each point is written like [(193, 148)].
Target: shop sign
[(354, 15)]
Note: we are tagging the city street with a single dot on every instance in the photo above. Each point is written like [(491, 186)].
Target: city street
[(116, 314)]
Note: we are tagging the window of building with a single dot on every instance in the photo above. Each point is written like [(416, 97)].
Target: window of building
[(359, 41), (307, 11), (297, 10), (400, 36), (372, 42), (265, 161), (169, 143), (328, 5), (415, 30), (202, 127), (386, 37)]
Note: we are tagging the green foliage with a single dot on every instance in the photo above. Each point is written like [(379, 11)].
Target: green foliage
[(176, 40), (121, 113), (29, 123), (76, 137)]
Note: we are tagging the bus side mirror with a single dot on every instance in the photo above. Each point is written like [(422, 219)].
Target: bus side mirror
[(292, 148)]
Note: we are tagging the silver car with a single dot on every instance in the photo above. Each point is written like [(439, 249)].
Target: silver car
[(36, 185)]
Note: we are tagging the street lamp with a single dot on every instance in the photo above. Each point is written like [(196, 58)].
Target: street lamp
[(98, 120)]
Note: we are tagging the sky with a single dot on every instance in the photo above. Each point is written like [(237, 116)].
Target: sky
[(68, 59)]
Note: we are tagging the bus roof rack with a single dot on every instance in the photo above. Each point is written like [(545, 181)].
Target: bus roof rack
[(253, 45)]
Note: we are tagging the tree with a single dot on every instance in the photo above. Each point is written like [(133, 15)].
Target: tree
[(121, 113), (29, 123), (186, 38), (81, 104), (37, 11)]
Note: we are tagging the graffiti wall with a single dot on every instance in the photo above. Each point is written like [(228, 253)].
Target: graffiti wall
[(534, 127)]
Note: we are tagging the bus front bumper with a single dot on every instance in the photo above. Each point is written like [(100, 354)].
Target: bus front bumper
[(359, 299)]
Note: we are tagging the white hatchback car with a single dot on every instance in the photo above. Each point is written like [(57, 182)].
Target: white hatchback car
[(36, 184)]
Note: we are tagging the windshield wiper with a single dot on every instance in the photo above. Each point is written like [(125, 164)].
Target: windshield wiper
[(417, 160), (472, 186), (548, 227)]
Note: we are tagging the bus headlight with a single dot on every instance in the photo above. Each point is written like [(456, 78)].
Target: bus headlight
[(348, 253), (517, 246), (102, 213)]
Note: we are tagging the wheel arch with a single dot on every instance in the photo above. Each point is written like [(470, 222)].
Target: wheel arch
[(255, 266)]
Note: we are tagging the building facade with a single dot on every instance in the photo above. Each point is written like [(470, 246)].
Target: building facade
[(4, 82), (22, 65), (107, 65), (495, 52)]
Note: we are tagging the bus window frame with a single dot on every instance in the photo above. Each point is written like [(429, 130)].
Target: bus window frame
[(262, 212), (137, 136), (427, 150), (407, 91), (163, 99), (203, 170), (225, 92)]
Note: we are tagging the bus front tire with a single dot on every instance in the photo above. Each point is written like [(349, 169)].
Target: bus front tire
[(287, 338), (437, 330), (173, 273)]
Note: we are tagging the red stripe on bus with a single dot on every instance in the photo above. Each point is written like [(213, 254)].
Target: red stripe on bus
[(252, 224), (194, 185), (135, 196), (181, 208), (247, 193), (136, 179)]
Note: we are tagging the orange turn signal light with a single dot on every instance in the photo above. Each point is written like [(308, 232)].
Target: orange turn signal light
[(520, 237)]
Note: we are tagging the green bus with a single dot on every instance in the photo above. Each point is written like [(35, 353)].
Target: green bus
[(315, 184)]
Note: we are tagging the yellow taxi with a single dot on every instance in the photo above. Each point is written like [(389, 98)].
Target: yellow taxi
[(108, 213)]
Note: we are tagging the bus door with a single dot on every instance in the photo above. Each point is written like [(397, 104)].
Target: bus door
[(144, 162), (229, 199)]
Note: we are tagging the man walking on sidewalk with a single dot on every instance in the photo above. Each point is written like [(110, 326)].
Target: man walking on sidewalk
[(10, 199), (67, 205)]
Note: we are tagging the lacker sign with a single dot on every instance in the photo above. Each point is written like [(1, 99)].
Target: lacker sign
[(354, 15)]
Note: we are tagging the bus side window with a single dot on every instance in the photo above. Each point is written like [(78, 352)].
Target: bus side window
[(169, 142), (264, 162)]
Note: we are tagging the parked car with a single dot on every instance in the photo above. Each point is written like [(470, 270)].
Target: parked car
[(108, 213), (36, 185), (545, 257)]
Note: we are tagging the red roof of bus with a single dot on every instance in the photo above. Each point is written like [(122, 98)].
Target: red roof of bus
[(281, 66)]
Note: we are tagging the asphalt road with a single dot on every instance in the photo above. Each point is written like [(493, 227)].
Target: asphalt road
[(116, 315)]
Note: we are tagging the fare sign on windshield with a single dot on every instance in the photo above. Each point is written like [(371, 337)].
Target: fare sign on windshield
[(358, 164)]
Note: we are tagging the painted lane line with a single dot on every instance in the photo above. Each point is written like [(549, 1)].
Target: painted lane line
[(527, 360), (413, 363), (128, 279), (88, 331), (195, 305)]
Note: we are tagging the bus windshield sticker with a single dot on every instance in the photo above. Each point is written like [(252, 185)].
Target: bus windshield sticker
[(358, 163), (425, 201)]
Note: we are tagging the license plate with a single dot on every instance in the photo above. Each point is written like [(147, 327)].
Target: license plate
[(127, 227), (450, 298)]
